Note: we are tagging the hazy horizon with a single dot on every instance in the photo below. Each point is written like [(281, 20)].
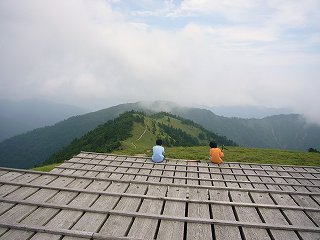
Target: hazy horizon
[(100, 53), (245, 111)]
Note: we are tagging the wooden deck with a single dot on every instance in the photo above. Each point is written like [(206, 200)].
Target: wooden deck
[(99, 196)]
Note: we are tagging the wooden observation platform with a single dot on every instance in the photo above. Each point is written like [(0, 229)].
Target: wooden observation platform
[(100, 196)]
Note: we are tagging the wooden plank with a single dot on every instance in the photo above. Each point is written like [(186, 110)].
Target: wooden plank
[(7, 189), (39, 217), (223, 212), (146, 228), (168, 173), (22, 193), (284, 178), (215, 173), (173, 229), (205, 187), (16, 234), (61, 181), (307, 201), (198, 210), (203, 167), (67, 218), (98, 185), (292, 173), (67, 171), (157, 171), (236, 171), (273, 216), (315, 181), (56, 170), (296, 217), (95, 161), (229, 177), (9, 176), (89, 222), (115, 169), (131, 169), (2, 172), (5, 207), (64, 218), (27, 177), (192, 166), (17, 213), (143, 171), (119, 225), (79, 183), (180, 174), (125, 168), (255, 179), (267, 180), (106, 202), (305, 182), (248, 214), (94, 173)]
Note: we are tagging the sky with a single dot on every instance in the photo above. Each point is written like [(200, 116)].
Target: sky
[(99, 53)]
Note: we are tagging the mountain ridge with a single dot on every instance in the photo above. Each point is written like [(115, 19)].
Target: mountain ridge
[(282, 131), (136, 133)]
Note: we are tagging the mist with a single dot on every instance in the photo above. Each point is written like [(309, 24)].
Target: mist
[(96, 54)]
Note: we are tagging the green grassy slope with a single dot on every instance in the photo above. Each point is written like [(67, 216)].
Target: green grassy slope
[(233, 154), (144, 135), (248, 155), (132, 146), (135, 132)]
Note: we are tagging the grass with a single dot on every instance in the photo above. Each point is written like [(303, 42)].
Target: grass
[(239, 154), (46, 168), (232, 154), (249, 155), (143, 145)]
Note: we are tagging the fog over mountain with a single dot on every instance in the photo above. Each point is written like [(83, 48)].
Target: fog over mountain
[(18, 117), (100, 53), (247, 111)]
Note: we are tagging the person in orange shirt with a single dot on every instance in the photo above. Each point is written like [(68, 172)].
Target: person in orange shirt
[(216, 153)]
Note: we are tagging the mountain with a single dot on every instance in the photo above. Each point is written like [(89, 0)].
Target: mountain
[(247, 111), (36, 146), (136, 132), (18, 117), (280, 131)]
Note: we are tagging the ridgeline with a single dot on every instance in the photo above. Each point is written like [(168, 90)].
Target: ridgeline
[(135, 132)]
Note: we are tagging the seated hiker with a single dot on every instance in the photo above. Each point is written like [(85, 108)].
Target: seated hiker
[(216, 153), (158, 152)]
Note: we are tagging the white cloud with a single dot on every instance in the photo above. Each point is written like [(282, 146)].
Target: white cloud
[(87, 52)]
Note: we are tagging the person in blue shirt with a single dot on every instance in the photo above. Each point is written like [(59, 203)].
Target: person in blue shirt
[(158, 152)]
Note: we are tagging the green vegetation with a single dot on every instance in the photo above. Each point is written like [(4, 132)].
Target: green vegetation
[(314, 150), (173, 130), (232, 154), (46, 168), (135, 133), (104, 138), (248, 155), (282, 131)]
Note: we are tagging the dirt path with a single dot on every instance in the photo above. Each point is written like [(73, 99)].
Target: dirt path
[(145, 130), (142, 134)]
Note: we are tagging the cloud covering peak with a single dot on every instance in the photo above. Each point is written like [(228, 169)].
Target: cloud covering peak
[(98, 53)]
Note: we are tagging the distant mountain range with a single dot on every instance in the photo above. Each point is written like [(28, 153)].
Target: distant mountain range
[(279, 131), (247, 111), (18, 117)]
